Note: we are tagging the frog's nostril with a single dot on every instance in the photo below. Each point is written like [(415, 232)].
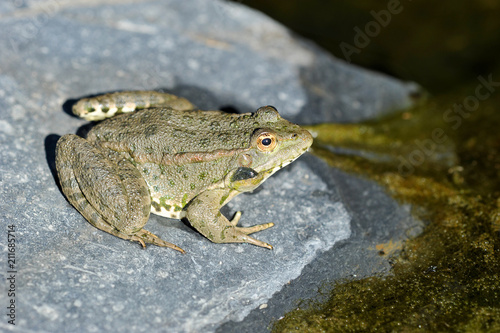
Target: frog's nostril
[(294, 136)]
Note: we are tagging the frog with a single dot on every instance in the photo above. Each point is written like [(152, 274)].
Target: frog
[(154, 152)]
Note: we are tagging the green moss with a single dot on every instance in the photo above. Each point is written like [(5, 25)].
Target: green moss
[(448, 278)]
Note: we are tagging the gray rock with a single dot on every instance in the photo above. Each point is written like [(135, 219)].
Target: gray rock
[(73, 277)]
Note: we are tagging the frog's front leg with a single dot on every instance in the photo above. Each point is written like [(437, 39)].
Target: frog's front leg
[(204, 214), (106, 189)]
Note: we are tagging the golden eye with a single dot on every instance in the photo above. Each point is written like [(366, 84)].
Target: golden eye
[(266, 141)]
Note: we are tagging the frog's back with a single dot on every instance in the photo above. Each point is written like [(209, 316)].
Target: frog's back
[(172, 131)]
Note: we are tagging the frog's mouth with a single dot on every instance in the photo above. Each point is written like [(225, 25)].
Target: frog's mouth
[(269, 169)]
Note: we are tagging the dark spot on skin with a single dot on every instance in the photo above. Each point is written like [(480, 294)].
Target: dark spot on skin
[(144, 119), (223, 137), (144, 191), (214, 125), (156, 206), (150, 130), (76, 196), (94, 217), (205, 142), (83, 204), (67, 183)]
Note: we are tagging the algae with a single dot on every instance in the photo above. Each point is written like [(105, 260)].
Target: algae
[(446, 279)]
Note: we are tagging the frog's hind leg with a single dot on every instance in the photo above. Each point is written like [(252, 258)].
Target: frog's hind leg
[(109, 192), (107, 105)]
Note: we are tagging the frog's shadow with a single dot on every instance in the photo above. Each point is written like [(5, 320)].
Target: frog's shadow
[(50, 155), (68, 106)]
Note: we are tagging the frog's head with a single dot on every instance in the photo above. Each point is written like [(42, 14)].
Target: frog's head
[(274, 143)]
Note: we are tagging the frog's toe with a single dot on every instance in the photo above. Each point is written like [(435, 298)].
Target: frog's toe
[(241, 235), (148, 237), (138, 239), (255, 228), (236, 218), (251, 240)]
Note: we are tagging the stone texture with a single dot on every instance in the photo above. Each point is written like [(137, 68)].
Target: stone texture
[(73, 277)]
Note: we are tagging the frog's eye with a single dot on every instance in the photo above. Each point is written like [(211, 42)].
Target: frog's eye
[(266, 141)]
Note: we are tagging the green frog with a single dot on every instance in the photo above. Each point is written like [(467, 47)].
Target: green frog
[(158, 154)]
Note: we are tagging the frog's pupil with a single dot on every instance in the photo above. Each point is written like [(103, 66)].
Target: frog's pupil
[(266, 142)]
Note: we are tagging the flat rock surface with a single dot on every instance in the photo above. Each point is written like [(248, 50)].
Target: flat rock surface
[(73, 277)]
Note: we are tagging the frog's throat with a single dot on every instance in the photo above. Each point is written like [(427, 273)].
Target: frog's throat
[(269, 172)]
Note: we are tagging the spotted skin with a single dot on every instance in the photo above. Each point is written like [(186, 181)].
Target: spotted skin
[(163, 156), (122, 182), (108, 105)]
